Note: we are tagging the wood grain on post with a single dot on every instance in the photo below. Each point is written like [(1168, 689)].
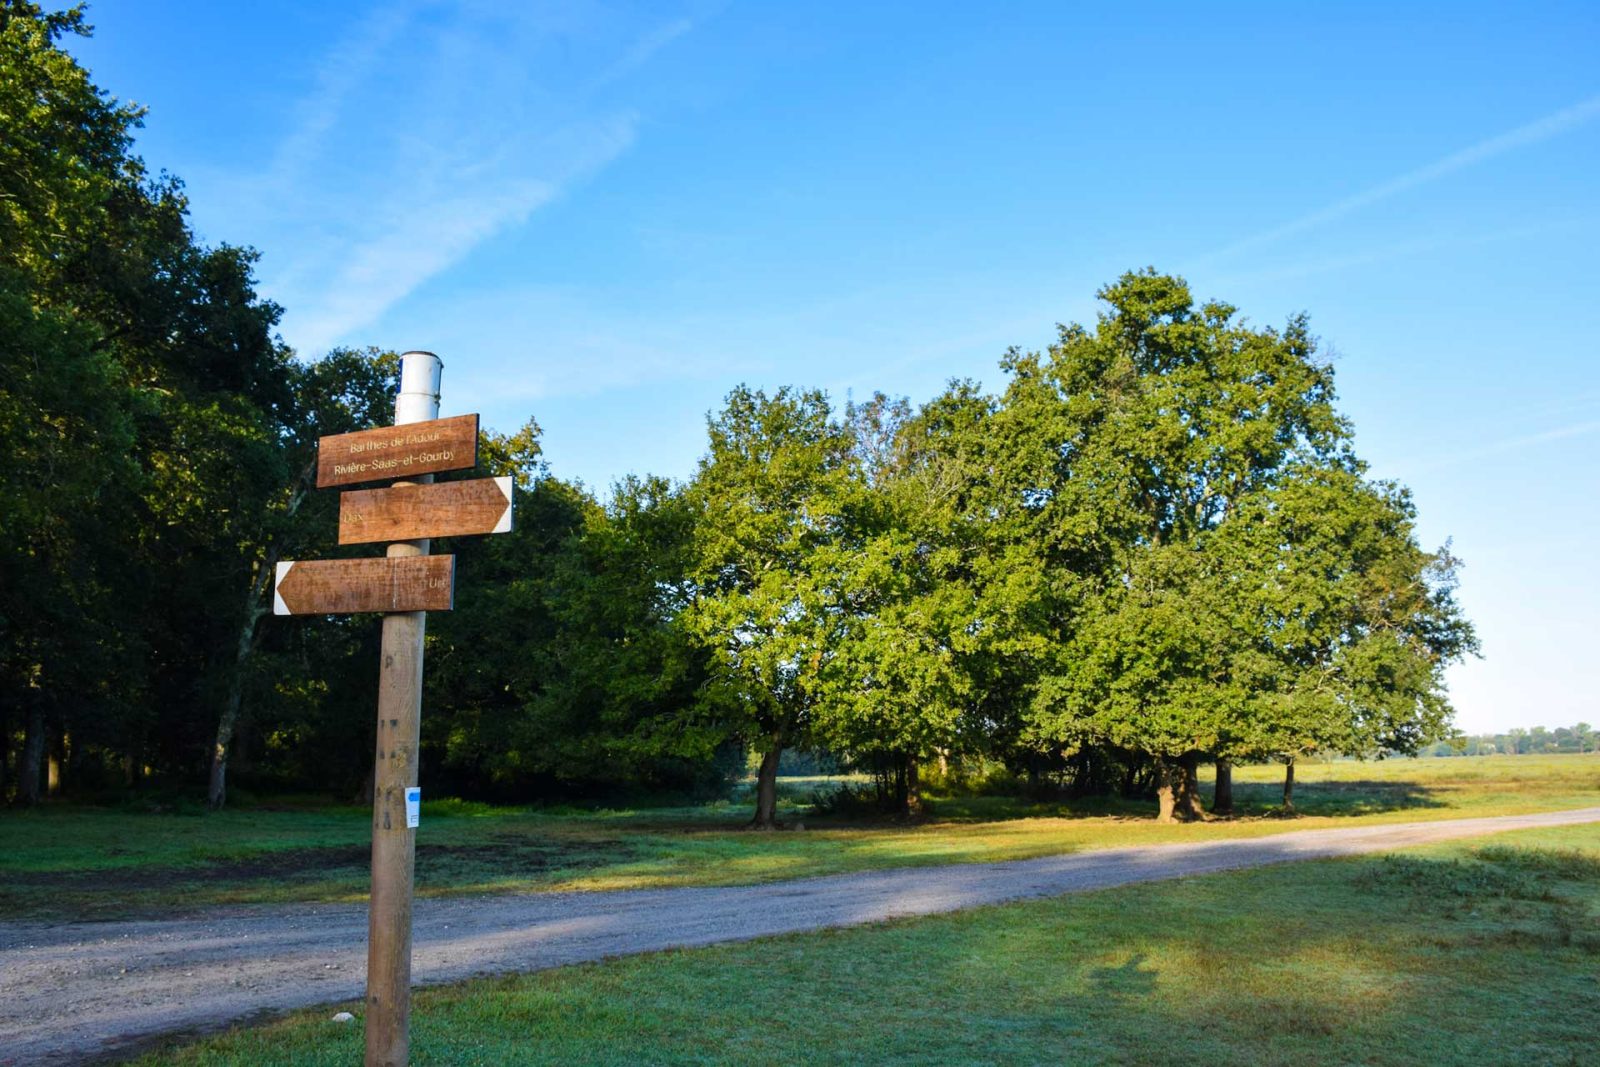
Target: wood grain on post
[(405, 450), (347, 586), (394, 844), (407, 512)]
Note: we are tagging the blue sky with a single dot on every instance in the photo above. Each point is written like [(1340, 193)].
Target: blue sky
[(605, 215)]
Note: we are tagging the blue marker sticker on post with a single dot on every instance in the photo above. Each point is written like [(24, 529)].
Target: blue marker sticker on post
[(413, 807)]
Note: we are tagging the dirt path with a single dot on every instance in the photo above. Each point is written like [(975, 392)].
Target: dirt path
[(84, 990)]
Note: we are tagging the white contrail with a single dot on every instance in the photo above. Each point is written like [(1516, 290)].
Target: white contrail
[(1533, 133), (1399, 249), (440, 173), (1509, 444)]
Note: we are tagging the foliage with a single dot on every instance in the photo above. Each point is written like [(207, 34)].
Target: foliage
[(562, 672), (1579, 737), (770, 501), (140, 373), (1218, 579)]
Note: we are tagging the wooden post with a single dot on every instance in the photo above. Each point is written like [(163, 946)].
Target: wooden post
[(388, 1017)]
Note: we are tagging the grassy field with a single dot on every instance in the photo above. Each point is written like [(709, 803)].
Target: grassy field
[(1484, 952), (75, 862)]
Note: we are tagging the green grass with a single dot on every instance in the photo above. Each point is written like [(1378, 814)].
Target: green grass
[(76, 862), (1483, 952)]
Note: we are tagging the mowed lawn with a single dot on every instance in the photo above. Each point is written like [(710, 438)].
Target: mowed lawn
[(77, 862), (1480, 952)]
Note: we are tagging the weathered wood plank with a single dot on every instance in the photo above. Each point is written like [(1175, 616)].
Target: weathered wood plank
[(398, 451), (412, 512), (347, 586)]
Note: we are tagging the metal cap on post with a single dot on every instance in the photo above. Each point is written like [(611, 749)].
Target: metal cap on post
[(419, 388)]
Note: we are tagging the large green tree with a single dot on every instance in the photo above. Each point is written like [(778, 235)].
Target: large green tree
[(905, 679), (1152, 434), (770, 500), (1350, 623), (564, 670), (67, 410), (170, 400)]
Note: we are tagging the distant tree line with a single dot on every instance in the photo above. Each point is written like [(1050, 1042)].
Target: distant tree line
[(1577, 738), (1154, 548)]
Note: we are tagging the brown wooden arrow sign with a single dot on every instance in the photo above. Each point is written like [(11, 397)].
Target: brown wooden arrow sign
[(398, 451), (346, 586), (412, 512)]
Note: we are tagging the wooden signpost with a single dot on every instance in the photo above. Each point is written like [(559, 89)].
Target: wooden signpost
[(403, 584)]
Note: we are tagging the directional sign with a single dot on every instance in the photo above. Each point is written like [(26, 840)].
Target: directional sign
[(346, 586), (412, 512), (398, 451)]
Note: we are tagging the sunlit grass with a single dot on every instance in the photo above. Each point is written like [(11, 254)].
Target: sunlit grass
[(1478, 952), (83, 862)]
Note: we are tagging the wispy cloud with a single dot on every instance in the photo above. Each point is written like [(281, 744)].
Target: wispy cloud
[(641, 52), (1532, 133), (419, 238), (1508, 444), (427, 130), (349, 64), (1401, 250)]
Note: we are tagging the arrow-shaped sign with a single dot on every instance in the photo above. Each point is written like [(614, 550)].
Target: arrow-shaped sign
[(412, 512), (346, 586)]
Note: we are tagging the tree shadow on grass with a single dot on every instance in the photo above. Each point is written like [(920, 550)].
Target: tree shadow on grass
[(1360, 797), (1340, 798), (1127, 980), (1327, 962)]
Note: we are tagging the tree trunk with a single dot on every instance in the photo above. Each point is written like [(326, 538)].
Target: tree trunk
[(30, 768), (1288, 786), (55, 760), (255, 608), (913, 787), (368, 785), (1222, 797), (1165, 792), (1130, 779), (767, 790), (217, 788), (1192, 808)]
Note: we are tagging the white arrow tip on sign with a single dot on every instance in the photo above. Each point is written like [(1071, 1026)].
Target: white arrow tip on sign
[(278, 606), (504, 525)]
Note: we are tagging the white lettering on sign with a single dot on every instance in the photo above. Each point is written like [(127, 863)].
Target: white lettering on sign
[(444, 456)]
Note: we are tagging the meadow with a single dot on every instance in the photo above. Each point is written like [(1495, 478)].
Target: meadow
[(77, 862), (1480, 952)]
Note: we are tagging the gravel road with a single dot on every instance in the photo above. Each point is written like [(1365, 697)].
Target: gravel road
[(88, 990)]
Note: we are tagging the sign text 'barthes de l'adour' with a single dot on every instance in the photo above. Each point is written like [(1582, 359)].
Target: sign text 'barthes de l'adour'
[(398, 451)]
